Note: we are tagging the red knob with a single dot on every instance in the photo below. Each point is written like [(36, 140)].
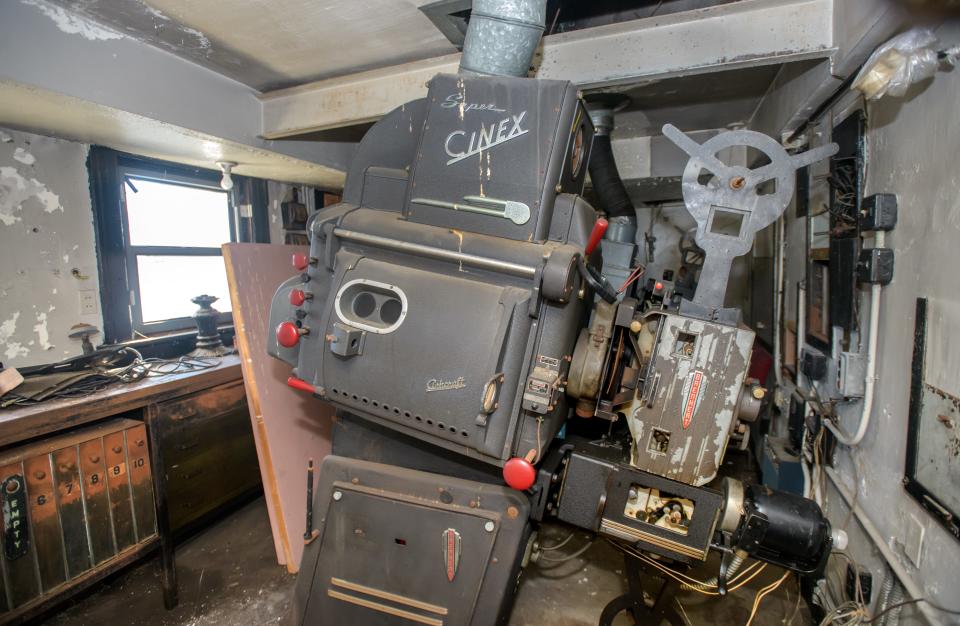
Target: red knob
[(300, 261), (519, 473), (596, 235), (297, 297), (288, 335), (302, 385)]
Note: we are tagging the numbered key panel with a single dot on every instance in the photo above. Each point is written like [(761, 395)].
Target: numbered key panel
[(70, 503)]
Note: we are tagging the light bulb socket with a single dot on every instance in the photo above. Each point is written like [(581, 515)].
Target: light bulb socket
[(226, 182)]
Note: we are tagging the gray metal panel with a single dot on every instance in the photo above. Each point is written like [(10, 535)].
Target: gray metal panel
[(404, 521), (499, 138), (445, 369), (690, 398)]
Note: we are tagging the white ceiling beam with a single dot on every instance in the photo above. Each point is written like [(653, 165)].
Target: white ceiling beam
[(63, 75), (727, 36)]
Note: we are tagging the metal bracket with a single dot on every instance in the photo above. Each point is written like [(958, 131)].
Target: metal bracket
[(516, 212), (731, 207)]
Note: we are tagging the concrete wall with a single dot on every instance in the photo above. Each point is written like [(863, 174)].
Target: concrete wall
[(49, 263), (912, 144)]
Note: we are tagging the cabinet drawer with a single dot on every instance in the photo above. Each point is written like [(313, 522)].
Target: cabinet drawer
[(181, 413), (208, 450)]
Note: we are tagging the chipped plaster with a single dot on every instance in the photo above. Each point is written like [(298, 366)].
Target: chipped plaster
[(46, 232), (73, 23)]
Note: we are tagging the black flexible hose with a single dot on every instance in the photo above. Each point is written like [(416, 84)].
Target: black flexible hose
[(597, 281), (606, 180)]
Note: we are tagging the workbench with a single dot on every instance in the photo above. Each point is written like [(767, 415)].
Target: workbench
[(201, 458)]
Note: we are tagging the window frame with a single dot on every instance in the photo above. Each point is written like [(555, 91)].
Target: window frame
[(117, 258), (126, 172)]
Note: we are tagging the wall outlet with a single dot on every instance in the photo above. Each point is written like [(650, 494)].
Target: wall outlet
[(88, 302)]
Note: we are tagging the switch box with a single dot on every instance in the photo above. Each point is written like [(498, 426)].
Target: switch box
[(879, 212), (88, 302), (875, 266)]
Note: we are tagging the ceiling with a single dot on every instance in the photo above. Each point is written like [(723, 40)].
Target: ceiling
[(700, 101), (273, 44), (270, 44)]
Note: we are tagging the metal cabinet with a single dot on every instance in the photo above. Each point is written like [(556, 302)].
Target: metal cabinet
[(73, 505)]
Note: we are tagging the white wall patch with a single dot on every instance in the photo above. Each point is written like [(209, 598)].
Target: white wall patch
[(42, 333), (15, 190), (24, 157), (73, 24), (12, 349)]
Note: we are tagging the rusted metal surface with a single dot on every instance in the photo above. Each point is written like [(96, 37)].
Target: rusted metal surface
[(93, 472), (141, 481), (118, 483), (66, 468), (44, 522)]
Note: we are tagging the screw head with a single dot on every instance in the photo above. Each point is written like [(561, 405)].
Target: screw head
[(489, 526), (337, 495)]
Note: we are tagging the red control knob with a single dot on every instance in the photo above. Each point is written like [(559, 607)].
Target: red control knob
[(288, 335), (519, 473), (300, 261), (599, 228), (302, 385), (297, 297)]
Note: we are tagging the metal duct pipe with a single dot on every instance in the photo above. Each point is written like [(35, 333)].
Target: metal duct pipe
[(502, 36), (604, 176)]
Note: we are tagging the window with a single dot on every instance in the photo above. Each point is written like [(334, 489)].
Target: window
[(159, 230), (174, 230)]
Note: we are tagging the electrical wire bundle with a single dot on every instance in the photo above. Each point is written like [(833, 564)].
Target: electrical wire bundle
[(123, 365), (692, 584)]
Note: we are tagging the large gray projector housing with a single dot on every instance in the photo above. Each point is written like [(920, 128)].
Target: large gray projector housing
[(445, 294)]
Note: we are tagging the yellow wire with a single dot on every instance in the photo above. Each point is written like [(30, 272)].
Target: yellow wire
[(689, 579), (762, 593), (693, 583)]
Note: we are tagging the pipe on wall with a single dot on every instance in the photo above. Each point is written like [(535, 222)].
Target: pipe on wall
[(502, 37)]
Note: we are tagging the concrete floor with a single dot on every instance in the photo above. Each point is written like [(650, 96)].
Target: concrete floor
[(228, 576)]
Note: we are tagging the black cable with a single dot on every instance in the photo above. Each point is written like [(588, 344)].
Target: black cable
[(911, 601), (600, 285)]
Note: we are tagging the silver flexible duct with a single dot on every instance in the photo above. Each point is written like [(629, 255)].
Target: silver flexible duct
[(503, 36)]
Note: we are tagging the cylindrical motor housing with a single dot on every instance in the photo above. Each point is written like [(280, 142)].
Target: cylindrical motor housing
[(784, 529)]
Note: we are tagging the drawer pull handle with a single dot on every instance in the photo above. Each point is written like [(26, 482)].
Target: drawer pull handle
[(139, 443), (40, 475), (94, 458), (117, 449)]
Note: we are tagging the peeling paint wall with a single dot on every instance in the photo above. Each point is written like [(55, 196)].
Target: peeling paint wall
[(49, 263), (911, 146)]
